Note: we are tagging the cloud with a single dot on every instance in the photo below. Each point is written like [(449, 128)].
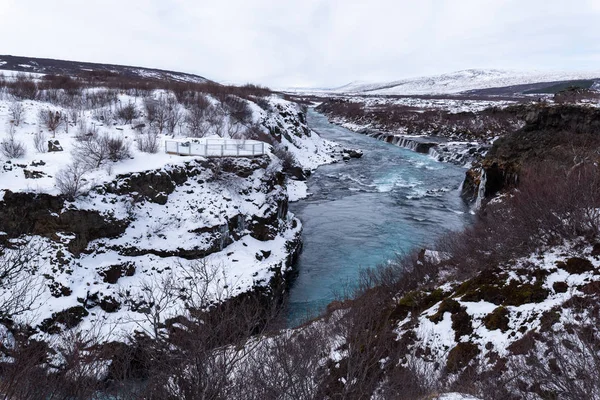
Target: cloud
[(311, 42)]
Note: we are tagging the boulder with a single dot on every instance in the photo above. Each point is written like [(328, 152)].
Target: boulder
[(54, 146)]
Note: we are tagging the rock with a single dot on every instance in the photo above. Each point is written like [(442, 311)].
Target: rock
[(266, 254), (114, 272), (352, 153), (68, 318), (109, 304), (297, 173), (33, 174), (139, 126), (37, 163), (54, 146)]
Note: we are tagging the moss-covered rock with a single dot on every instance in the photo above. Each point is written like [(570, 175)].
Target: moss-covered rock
[(448, 305), (460, 356), (560, 287), (497, 319), (416, 301), (576, 265)]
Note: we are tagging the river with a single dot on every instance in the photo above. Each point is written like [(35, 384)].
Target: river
[(366, 211)]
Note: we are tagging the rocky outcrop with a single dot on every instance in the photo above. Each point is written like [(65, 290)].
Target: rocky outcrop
[(558, 135), (46, 215)]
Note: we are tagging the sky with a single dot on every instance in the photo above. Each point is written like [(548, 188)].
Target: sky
[(308, 43)]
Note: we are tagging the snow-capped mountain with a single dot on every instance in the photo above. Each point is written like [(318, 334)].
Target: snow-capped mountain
[(463, 81), (74, 68)]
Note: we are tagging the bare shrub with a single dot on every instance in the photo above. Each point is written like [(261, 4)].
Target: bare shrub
[(127, 113), (148, 142), (70, 180), (40, 142), (288, 161), (118, 148), (104, 115), (24, 87), (95, 151), (257, 132), (11, 147), (16, 111), (238, 110)]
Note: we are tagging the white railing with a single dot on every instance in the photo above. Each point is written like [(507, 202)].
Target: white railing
[(216, 147)]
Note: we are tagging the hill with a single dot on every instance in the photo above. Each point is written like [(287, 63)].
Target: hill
[(470, 81), (76, 68)]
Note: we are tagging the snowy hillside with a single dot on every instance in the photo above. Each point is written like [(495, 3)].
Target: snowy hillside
[(72, 68), (462, 81), (107, 220)]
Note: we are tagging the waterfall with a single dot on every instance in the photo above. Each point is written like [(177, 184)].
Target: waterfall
[(223, 236), (481, 190), (433, 153)]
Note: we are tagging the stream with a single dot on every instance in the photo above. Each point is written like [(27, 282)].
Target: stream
[(366, 212)]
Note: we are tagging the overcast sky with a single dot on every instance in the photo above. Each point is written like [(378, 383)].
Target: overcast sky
[(318, 43)]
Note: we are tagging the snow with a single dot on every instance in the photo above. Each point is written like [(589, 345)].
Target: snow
[(297, 190), (160, 234), (439, 338), (462, 81), (309, 151), (455, 396)]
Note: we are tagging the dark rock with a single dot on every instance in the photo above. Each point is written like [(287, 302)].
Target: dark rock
[(69, 318), (114, 272), (33, 174), (266, 254), (352, 153), (296, 173), (54, 146), (109, 304)]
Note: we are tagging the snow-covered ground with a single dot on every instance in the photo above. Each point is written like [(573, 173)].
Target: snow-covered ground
[(548, 272), (454, 82), (161, 247)]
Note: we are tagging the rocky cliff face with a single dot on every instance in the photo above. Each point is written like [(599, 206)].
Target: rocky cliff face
[(559, 135), (96, 255)]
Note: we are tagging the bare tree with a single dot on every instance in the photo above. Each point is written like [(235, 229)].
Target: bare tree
[(21, 287), (70, 180), (94, 151), (174, 114), (216, 119), (196, 118), (50, 120), (16, 111)]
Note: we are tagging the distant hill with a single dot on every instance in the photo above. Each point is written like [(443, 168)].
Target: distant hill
[(472, 81), (72, 68)]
